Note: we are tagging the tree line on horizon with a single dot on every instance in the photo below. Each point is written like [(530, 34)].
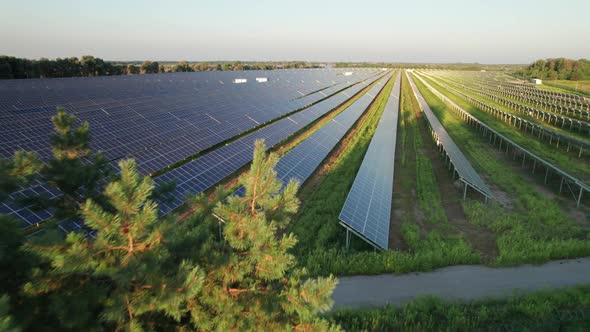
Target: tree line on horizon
[(557, 69), (87, 65)]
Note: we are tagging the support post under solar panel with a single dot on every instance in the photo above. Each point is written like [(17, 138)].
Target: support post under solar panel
[(347, 239), (465, 191)]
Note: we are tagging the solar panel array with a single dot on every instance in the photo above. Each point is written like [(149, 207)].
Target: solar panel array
[(204, 172), (367, 209), (302, 161), (462, 166), (156, 119)]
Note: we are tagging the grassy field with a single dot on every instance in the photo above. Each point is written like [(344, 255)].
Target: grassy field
[(534, 228), (551, 310), (579, 87)]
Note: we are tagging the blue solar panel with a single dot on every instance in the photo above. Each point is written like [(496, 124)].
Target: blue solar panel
[(202, 173), (367, 209), (300, 162), (156, 119), (129, 114)]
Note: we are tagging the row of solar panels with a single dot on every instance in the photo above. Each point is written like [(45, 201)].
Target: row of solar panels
[(367, 209), (463, 167), (128, 125), (299, 163), (204, 172), (163, 154)]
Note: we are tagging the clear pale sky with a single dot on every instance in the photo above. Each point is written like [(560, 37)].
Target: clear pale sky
[(492, 31)]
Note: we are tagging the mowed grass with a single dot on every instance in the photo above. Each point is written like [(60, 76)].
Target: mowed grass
[(321, 247), (536, 229)]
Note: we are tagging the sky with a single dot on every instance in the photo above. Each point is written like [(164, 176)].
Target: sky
[(491, 31)]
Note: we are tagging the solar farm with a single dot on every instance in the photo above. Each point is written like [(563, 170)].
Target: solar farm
[(400, 170)]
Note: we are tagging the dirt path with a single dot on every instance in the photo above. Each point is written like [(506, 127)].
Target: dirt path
[(464, 282)]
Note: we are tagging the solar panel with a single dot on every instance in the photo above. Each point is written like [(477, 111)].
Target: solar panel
[(463, 167), (156, 119), (367, 209), (206, 171), (129, 114), (301, 161)]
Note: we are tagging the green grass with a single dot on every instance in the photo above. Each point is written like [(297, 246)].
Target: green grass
[(568, 162), (577, 87), (429, 199), (536, 229), (321, 238), (549, 310)]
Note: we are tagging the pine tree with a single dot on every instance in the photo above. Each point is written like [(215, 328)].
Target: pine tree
[(253, 283), (7, 323), (126, 274), (14, 263), (17, 172), (175, 273), (75, 170)]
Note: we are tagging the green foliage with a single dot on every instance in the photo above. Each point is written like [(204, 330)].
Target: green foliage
[(550, 310), (7, 323), (126, 274), (16, 172), (260, 276), (149, 67), (11, 67), (182, 66), (142, 272), (557, 69), (132, 69)]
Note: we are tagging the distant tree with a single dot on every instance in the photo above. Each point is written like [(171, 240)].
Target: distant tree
[(132, 69), (237, 66), (218, 67), (88, 63), (182, 66), (5, 69), (559, 68), (149, 67)]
